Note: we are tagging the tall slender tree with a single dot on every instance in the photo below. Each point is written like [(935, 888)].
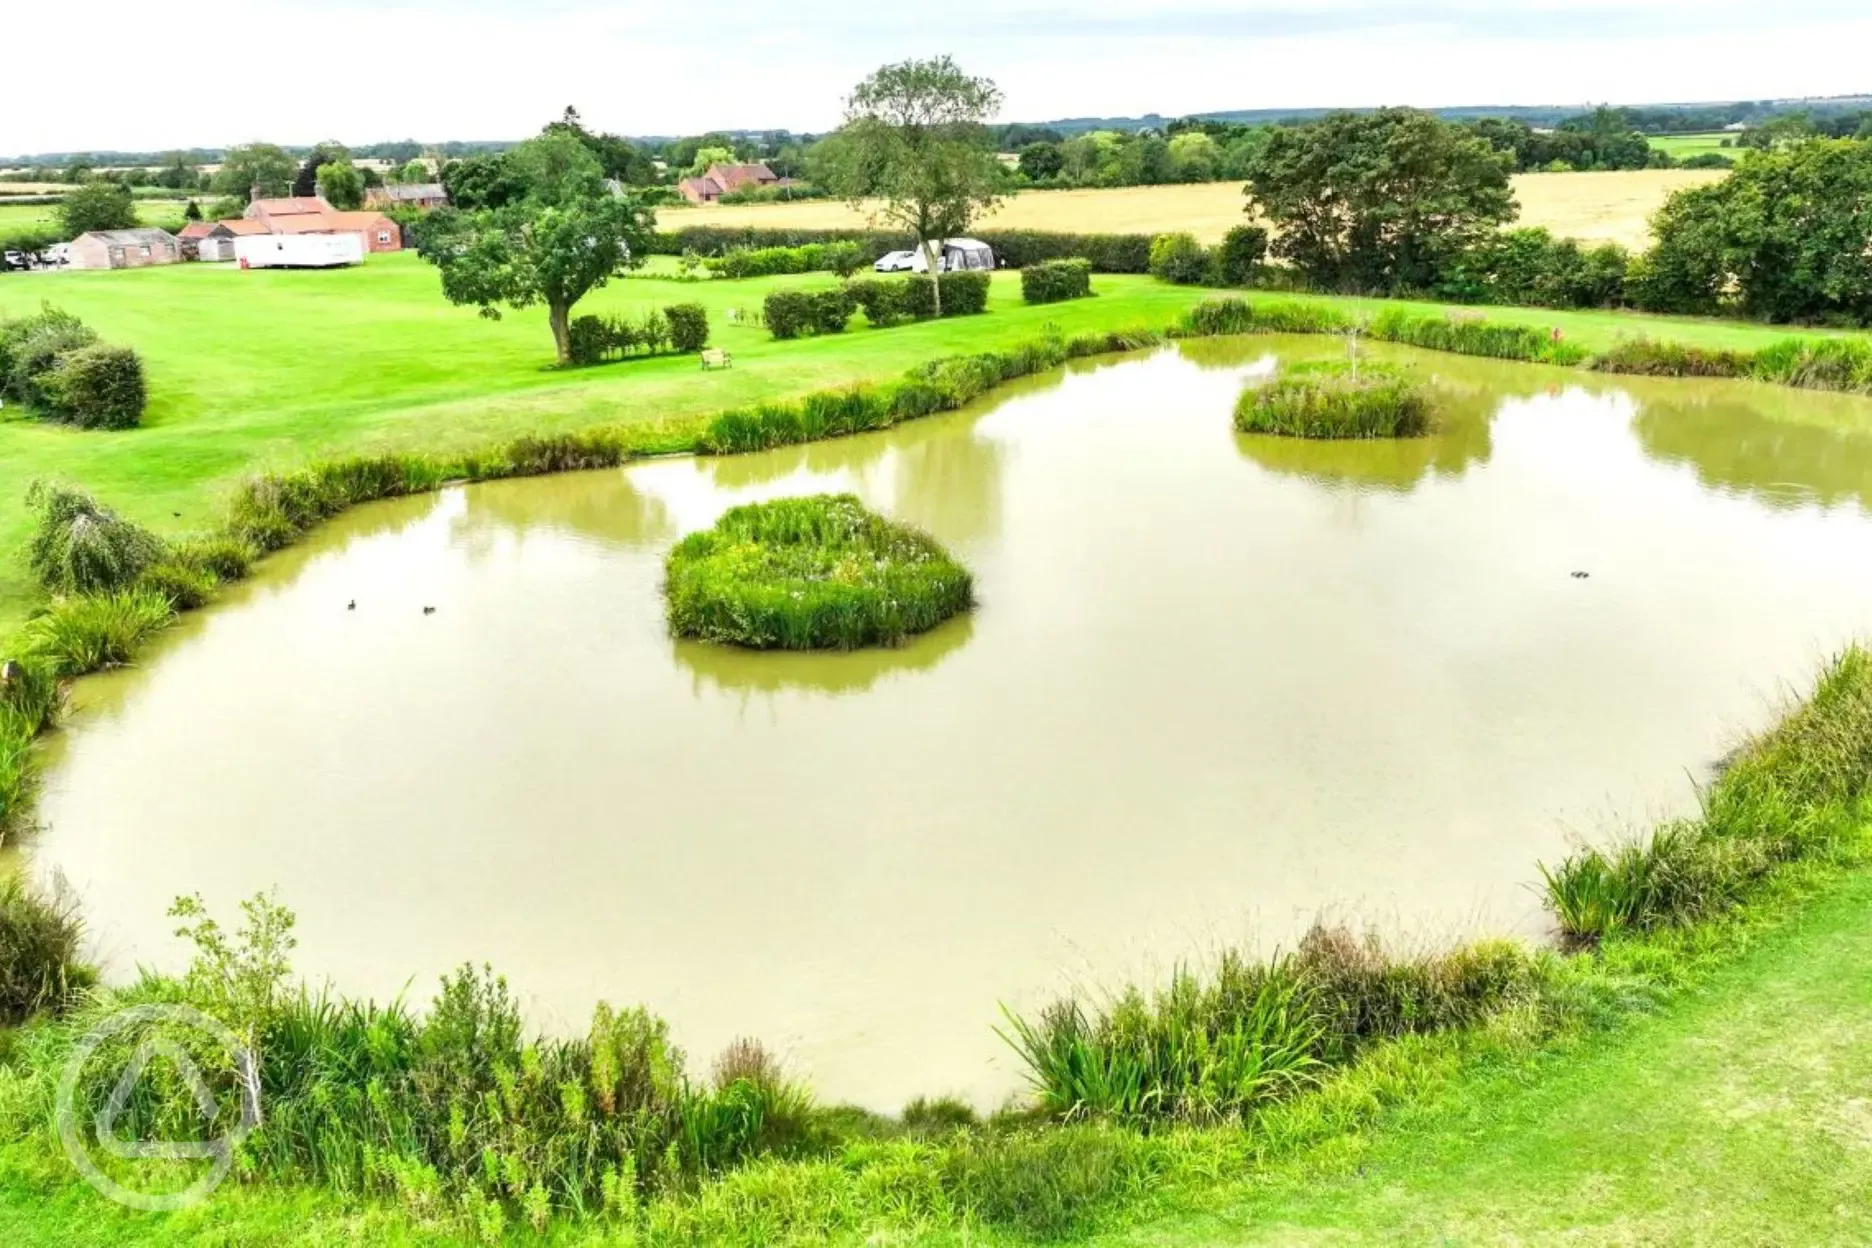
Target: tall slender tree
[(915, 152)]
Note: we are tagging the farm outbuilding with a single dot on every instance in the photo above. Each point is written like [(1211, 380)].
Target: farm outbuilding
[(124, 249)]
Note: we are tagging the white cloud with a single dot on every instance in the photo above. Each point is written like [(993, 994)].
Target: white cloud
[(435, 69)]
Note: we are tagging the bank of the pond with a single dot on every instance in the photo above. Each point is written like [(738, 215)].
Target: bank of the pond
[(1459, 1119)]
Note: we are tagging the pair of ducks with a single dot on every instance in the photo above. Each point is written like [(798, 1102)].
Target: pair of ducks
[(352, 606)]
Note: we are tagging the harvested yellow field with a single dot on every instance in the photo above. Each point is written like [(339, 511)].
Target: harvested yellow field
[(1594, 207)]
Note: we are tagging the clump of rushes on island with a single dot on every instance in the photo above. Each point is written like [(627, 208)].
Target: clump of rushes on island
[(1332, 400), (817, 573)]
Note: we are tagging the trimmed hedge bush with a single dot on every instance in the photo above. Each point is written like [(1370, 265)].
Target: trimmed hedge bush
[(688, 327), (1328, 400), (790, 313), (840, 256), (964, 293), (818, 573), (1053, 281)]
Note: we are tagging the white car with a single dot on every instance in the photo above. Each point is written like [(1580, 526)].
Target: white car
[(897, 262)]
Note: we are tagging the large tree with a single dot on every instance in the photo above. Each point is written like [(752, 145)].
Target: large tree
[(96, 206), (1379, 201), (1786, 237), (565, 237), (306, 181), (259, 165), (915, 152), (341, 185)]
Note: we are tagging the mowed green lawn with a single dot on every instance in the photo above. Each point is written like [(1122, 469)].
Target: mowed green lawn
[(261, 370), (13, 217)]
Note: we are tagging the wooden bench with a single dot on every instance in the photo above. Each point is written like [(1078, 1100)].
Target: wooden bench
[(715, 357)]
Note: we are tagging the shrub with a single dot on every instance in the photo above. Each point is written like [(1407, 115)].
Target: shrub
[(1331, 401), (842, 257), (1180, 259), (39, 946), (89, 632), (96, 387), (787, 313), (818, 573), (882, 299), (830, 311), (588, 340), (30, 348), (790, 313), (688, 327), (1532, 268), (80, 546), (1241, 254), (964, 293), (1052, 281)]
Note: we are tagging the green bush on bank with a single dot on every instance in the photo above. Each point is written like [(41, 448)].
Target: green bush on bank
[(1336, 400), (79, 546), (1468, 335), (1212, 1050), (1179, 259), (40, 938), (54, 365), (1790, 794), (1054, 281), (818, 573), (840, 256)]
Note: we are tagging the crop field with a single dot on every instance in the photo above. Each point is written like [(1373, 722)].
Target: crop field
[(1680, 146), (1594, 207), (164, 212)]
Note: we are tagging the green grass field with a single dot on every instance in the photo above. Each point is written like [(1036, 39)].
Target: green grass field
[(263, 370), (1680, 146), (163, 212)]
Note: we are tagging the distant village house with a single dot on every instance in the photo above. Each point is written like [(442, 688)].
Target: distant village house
[(309, 214), (719, 180), (423, 195)]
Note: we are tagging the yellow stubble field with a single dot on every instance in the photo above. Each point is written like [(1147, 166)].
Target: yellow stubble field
[(1592, 207)]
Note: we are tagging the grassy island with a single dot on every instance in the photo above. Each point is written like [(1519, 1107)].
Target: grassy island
[(1333, 400), (818, 573)]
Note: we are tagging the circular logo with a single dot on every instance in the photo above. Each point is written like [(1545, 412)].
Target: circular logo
[(162, 1025)]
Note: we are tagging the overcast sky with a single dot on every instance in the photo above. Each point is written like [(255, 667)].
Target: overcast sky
[(295, 73)]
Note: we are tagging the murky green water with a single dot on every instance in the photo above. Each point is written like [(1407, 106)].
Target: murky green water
[(1216, 686)]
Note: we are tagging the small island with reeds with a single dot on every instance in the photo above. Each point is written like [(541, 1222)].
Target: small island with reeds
[(1337, 400), (816, 573)]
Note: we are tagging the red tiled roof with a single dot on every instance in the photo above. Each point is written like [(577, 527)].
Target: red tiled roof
[(197, 229), (290, 207)]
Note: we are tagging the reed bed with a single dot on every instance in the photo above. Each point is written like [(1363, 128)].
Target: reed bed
[(818, 573), (1337, 400)]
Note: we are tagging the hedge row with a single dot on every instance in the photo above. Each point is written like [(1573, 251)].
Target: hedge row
[(1108, 253), (886, 301), (681, 328), (842, 258)]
